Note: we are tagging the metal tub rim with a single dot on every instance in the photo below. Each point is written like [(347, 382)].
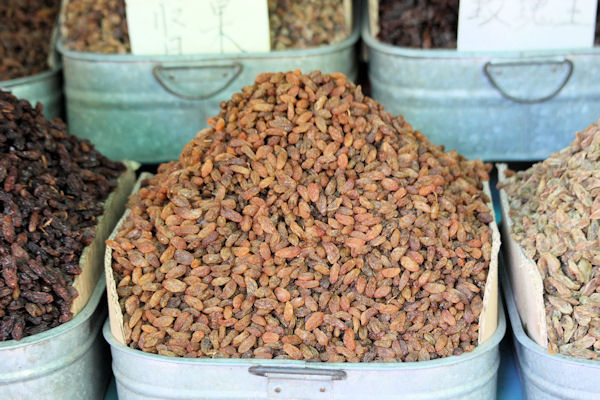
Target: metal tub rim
[(351, 40), (30, 79), (400, 51), (77, 320), (488, 345), (521, 336)]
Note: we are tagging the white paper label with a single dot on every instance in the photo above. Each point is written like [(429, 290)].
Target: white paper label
[(198, 26), (525, 24)]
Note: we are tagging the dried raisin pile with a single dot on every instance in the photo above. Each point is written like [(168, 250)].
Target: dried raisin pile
[(301, 24), (306, 223), (419, 23), (97, 26), (52, 186), (555, 210), (25, 34)]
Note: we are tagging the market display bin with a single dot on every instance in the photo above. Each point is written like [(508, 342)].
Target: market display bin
[(142, 375), (470, 376), (71, 360), (66, 362), (147, 108), (546, 376), (45, 87), (490, 105)]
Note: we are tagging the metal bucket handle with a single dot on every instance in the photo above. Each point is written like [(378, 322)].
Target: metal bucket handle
[(300, 373), (298, 383), (165, 75), (556, 61)]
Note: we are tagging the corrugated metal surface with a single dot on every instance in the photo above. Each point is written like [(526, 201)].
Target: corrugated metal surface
[(146, 108), (70, 361), (545, 376), (45, 87), (141, 375), (489, 105)]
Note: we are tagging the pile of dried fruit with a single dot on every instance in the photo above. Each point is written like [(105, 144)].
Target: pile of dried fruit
[(306, 223), (100, 26), (555, 209), (25, 31), (51, 190), (300, 24), (97, 26), (419, 23)]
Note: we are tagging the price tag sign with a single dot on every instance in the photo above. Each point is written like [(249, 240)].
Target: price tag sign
[(197, 26), (526, 24)]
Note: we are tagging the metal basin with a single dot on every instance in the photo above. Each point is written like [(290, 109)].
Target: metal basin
[(45, 88), (146, 108), (545, 376), (142, 375), (67, 362), (490, 105)]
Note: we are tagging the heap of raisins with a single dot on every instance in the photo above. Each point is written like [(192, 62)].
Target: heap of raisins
[(25, 36), (52, 188)]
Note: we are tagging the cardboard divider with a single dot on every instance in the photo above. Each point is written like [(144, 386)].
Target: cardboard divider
[(348, 14), (61, 30), (373, 10), (53, 58), (488, 320), (525, 278), (91, 257), (114, 309)]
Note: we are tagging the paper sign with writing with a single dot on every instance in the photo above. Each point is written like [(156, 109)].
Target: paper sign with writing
[(525, 24), (197, 26)]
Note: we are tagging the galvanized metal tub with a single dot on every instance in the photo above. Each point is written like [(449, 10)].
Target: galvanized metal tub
[(142, 375), (489, 105), (146, 108), (545, 376), (67, 362), (45, 87)]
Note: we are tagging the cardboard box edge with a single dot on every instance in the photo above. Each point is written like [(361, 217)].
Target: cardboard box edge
[(91, 259), (488, 320), (373, 11), (522, 272)]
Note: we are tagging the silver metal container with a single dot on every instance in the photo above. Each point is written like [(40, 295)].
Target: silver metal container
[(489, 105), (545, 376), (142, 375), (45, 87), (66, 362), (146, 108)]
